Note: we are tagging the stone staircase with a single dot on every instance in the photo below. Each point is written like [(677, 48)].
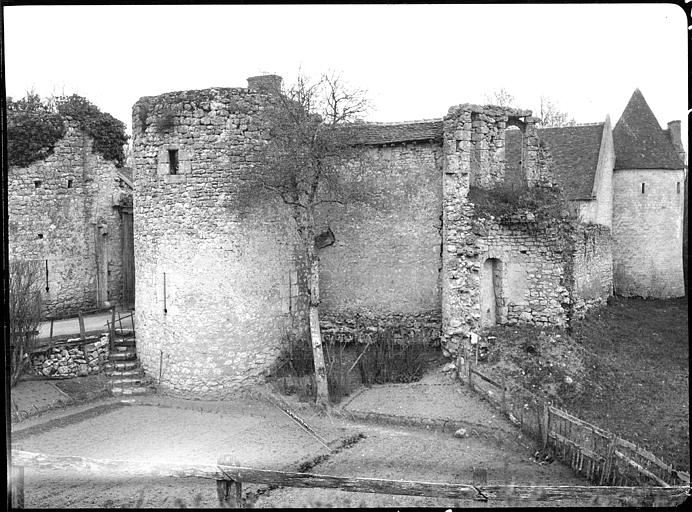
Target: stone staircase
[(126, 376)]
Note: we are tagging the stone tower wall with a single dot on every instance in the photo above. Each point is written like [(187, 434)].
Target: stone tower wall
[(79, 225), (647, 233), (217, 285)]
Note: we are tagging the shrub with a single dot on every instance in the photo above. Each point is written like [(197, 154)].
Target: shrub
[(25, 313), (507, 199)]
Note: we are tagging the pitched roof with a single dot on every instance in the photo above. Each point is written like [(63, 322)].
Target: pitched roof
[(386, 133), (574, 149), (640, 142)]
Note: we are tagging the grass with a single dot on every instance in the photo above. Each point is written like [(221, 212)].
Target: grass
[(640, 374), (625, 368)]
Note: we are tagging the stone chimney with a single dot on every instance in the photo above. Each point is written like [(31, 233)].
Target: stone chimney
[(265, 83), (674, 134)]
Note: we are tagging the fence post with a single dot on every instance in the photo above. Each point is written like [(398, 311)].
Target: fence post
[(17, 484), (82, 332), (112, 329), (229, 491), (504, 397), (544, 424), (470, 378), (608, 468)]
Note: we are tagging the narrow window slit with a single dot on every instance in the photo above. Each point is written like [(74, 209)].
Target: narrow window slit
[(173, 161)]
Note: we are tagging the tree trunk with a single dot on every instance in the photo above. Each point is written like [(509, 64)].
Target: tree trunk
[(315, 334)]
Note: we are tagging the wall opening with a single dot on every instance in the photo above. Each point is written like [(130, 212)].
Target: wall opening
[(173, 161), (37, 183), (491, 292), (69, 183)]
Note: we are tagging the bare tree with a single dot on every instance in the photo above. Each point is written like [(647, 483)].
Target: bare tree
[(312, 128), (551, 116), (25, 313), (500, 97)]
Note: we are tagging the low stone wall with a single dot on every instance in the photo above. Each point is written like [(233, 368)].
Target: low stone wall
[(418, 328), (72, 360)]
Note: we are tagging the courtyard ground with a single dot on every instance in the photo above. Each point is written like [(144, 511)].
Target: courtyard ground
[(160, 429)]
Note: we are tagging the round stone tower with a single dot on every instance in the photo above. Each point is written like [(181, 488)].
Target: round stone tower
[(216, 283)]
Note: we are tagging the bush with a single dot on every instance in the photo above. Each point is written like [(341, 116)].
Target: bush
[(389, 361), (35, 125), (25, 313)]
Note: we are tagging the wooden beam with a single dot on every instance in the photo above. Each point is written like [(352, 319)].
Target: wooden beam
[(669, 495), (641, 469)]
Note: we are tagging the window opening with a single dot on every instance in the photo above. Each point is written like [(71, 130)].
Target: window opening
[(40, 235), (678, 187), (37, 183), (69, 183), (173, 161), (643, 187)]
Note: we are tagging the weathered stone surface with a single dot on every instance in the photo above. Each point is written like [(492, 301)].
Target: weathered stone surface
[(59, 223)]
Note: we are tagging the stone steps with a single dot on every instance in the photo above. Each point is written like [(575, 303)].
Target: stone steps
[(121, 365), (123, 356), (126, 375), (132, 390)]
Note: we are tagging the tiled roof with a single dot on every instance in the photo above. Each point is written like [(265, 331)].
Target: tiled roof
[(574, 149), (640, 143), (386, 133)]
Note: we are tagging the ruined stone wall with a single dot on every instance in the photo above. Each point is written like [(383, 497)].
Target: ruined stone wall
[(592, 267), (465, 128), (530, 287), (62, 214), (385, 262), (647, 233), (217, 284)]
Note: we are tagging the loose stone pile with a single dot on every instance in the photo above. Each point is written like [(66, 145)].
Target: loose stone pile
[(72, 361)]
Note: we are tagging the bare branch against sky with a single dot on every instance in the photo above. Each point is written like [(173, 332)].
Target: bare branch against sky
[(414, 60)]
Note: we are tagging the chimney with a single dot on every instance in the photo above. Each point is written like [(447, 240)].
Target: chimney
[(674, 134), (265, 83)]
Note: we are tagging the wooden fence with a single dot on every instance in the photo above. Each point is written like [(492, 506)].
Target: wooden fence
[(230, 478), (600, 456)]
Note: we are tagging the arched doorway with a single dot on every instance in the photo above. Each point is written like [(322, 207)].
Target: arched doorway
[(491, 291)]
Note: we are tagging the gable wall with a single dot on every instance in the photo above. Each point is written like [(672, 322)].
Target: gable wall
[(74, 222)]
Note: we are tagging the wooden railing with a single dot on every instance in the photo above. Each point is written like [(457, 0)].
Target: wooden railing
[(599, 455), (230, 478)]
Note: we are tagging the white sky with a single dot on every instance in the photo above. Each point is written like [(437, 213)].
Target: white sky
[(415, 61)]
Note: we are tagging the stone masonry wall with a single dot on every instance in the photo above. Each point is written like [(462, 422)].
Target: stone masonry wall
[(593, 268), (73, 360), (531, 286), (218, 286), (62, 214), (385, 262), (647, 233)]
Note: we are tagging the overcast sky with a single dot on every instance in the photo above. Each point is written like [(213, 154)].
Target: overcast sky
[(415, 61)]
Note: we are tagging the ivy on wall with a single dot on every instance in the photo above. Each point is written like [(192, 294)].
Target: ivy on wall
[(35, 125)]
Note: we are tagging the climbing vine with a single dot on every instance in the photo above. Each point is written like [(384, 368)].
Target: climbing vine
[(35, 125)]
